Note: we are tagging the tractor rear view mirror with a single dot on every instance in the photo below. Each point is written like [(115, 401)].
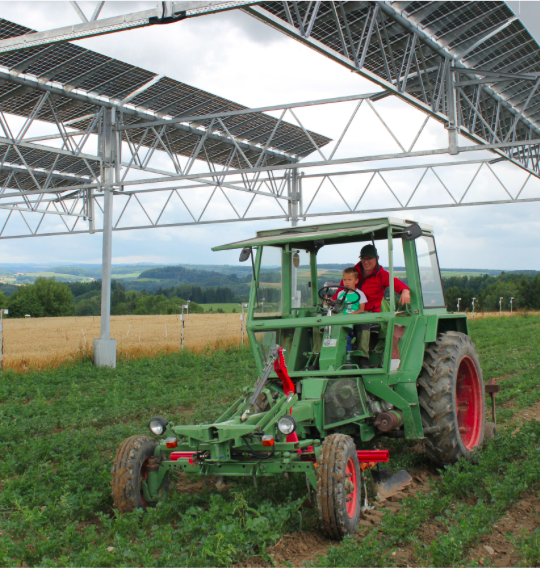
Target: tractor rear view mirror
[(412, 232), (245, 254)]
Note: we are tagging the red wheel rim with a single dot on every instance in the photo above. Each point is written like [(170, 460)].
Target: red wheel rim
[(351, 480), (469, 403)]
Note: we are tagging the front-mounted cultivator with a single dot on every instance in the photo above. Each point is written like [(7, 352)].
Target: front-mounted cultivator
[(316, 407)]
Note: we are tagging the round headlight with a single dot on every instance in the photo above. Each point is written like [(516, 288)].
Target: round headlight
[(286, 424), (157, 425)]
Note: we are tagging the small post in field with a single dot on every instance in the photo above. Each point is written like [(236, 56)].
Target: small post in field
[(182, 325), (511, 306), (473, 300), (242, 322), (2, 312), (129, 327), (500, 305), (458, 301)]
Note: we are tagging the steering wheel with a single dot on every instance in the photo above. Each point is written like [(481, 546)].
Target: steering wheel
[(336, 304)]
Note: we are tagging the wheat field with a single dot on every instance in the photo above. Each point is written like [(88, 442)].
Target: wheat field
[(40, 343)]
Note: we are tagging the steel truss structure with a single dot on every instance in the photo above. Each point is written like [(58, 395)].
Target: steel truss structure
[(91, 144)]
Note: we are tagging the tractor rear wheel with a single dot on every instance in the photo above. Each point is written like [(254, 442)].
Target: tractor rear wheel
[(129, 472), (451, 396), (338, 486)]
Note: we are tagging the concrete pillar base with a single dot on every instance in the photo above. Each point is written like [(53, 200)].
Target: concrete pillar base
[(105, 353)]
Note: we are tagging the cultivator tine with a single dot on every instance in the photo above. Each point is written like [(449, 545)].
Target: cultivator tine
[(492, 388), (393, 485)]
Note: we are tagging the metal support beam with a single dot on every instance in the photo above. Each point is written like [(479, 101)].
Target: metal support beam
[(105, 347), (164, 13)]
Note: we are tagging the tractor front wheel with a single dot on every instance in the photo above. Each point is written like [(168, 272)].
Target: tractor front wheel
[(129, 473), (338, 486), (451, 396)]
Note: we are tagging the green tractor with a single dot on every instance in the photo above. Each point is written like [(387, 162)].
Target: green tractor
[(315, 410)]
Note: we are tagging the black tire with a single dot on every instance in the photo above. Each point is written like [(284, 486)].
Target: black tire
[(128, 473), (338, 486), (451, 369)]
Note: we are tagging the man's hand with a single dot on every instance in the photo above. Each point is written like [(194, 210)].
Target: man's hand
[(405, 297)]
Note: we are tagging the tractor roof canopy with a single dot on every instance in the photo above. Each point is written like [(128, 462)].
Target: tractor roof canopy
[(309, 237)]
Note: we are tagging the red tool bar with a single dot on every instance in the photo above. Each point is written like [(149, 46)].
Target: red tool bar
[(373, 456), (178, 455)]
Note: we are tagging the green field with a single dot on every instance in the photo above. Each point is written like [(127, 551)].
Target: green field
[(227, 308), (59, 431), (70, 277)]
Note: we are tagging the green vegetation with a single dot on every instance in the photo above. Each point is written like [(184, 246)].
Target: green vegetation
[(223, 308), (59, 431), (46, 297), (524, 288)]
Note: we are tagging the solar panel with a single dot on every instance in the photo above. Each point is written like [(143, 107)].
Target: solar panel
[(82, 70)]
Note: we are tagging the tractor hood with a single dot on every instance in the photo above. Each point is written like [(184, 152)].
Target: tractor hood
[(335, 233)]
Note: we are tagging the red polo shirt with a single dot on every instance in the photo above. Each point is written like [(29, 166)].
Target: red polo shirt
[(374, 286)]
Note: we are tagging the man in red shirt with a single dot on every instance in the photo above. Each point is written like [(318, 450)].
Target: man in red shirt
[(374, 280)]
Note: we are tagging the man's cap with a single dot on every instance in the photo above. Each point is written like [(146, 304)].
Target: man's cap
[(369, 250)]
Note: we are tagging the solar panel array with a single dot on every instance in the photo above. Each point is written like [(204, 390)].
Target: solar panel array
[(85, 71), (484, 35)]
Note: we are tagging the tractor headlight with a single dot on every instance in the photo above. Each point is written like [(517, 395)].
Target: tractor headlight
[(286, 424), (157, 425)]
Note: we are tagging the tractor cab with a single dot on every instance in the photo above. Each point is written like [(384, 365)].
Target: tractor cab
[(297, 302)]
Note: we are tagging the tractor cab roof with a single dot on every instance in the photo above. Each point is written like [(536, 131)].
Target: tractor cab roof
[(310, 236)]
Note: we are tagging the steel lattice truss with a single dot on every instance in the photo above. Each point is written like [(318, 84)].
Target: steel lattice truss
[(172, 155), (472, 65)]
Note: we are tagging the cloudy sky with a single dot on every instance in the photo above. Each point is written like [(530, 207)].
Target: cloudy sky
[(237, 57)]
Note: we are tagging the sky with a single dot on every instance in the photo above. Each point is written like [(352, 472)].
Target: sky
[(239, 58)]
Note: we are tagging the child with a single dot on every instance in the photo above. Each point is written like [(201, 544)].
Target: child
[(350, 280)]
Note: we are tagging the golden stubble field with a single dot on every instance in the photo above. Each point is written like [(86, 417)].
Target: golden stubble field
[(47, 342)]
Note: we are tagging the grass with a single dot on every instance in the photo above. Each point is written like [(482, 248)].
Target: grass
[(59, 430), (58, 434), (227, 308)]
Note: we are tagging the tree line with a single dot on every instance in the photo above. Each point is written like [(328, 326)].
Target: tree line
[(524, 288), (47, 297)]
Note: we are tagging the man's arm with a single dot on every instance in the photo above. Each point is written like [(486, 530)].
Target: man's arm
[(399, 286)]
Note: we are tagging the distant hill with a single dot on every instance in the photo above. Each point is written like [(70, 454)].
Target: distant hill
[(203, 278)]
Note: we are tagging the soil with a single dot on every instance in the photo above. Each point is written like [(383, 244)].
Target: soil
[(495, 548), (529, 413)]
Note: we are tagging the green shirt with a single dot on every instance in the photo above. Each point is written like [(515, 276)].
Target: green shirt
[(355, 306)]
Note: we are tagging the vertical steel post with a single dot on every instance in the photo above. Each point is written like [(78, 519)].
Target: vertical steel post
[(2, 339), (293, 214), (452, 112), (105, 347), (293, 197)]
